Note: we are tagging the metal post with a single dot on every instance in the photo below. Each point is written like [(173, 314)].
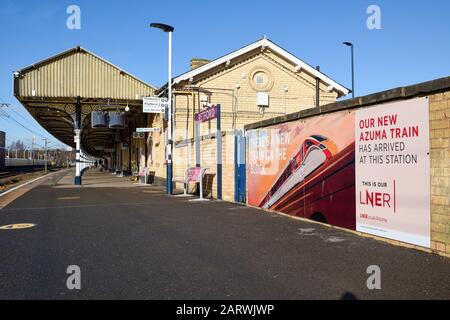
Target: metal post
[(45, 155), (77, 141), (32, 149), (169, 152), (201, 185), (349, 44), (353, 74), (169, 163), (197, 143), (77, 158), (219, 155)]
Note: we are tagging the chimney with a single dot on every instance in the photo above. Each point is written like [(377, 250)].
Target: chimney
[(197, 62)]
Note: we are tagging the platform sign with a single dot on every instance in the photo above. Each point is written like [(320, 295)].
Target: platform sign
[(148, 129), (194, 174), (154, 104), (208, 114), (393, 171)]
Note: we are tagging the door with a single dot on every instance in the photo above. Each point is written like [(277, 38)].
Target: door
[(240, 167)]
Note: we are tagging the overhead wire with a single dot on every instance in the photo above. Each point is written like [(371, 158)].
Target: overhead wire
[(10, 117)]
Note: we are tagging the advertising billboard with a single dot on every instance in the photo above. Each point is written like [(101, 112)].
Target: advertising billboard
[(305, 168), (393, 171), (365, 170)]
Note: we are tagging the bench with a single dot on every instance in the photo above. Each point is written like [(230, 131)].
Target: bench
[(193, 174)]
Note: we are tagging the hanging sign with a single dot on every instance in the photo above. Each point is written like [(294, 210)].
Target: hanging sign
[(148, 129), (154, 104)]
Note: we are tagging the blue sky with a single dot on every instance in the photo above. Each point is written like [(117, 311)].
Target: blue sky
[(412, 46)]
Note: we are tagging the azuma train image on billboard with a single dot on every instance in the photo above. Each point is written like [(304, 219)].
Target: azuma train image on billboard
[(311, 154), (315, 177)]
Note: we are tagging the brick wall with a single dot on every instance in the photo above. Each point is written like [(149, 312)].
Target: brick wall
[(289, 91), (184, 157), (232, 88), (440, 171), (438, 92)]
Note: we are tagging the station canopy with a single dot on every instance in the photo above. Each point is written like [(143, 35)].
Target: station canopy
[(49, 90)]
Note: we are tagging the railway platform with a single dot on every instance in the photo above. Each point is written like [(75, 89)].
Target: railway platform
[(134, 242)]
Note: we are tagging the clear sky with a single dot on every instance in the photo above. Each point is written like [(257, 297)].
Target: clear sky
[(413, 44)]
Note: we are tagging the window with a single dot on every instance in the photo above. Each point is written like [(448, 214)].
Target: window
[(260, 78)]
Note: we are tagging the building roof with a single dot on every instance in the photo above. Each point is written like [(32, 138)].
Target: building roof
[(49, 90), (265, 43), (76, 50)]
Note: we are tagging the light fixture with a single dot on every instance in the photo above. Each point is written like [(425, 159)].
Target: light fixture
[(286, 88), (127, 108), (162, 26), (238, 85), (349, 44)]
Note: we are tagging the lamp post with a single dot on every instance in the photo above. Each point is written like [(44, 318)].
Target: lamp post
[(169, 165), (349, 44)]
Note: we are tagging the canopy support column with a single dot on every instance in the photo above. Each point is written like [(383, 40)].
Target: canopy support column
[(77, 123)]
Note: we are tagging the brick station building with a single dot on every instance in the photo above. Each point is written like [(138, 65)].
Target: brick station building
[(256, 82)]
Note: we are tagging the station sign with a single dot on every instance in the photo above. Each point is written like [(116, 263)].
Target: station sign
[(154, 104), (208, 114), (148, 129)]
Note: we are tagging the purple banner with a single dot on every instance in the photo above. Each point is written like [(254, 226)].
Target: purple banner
[(208, 114)]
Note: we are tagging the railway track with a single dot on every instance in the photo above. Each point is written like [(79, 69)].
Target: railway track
[(10, 172)]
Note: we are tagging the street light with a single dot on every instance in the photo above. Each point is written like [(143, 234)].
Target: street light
[(169, 169), (349, 44)]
